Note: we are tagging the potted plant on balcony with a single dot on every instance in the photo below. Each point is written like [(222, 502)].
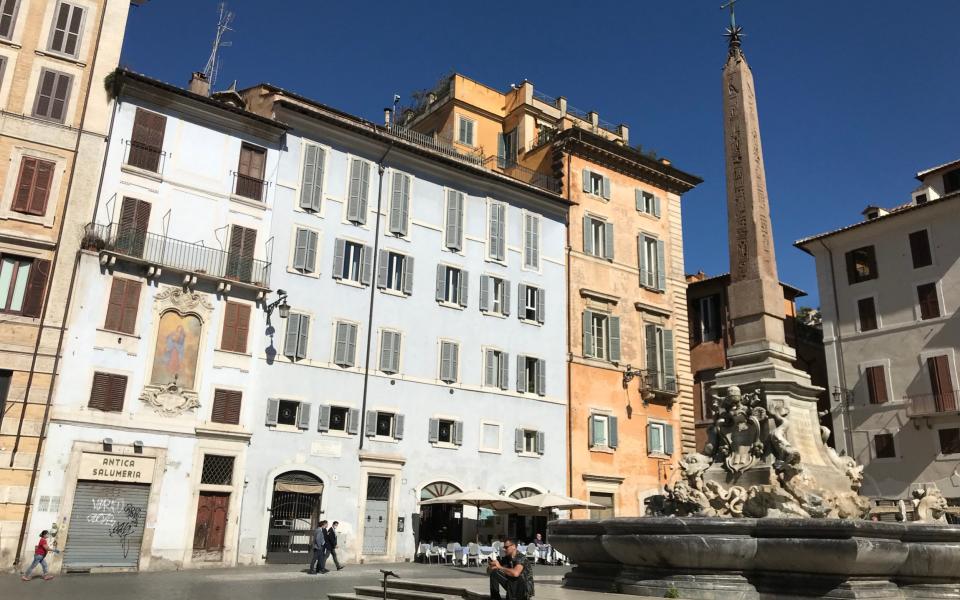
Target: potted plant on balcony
[(92, 240)]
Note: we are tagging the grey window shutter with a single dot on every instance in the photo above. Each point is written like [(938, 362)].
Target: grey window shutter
[(591, 437), (652, 352), (433, 435), (522, 300), (396, 204), (614, 338), (644, 268), (395, 353), (540, 305), (454, 229), (386, 351), (405, 206), (458, 433), (273, 411), (398, 427), (484, 293), (303, 416), (650, 447), (383, 262), (606, 188), (608, 241), (353, 192), (521, 375), (408, 275), (669, 374), (587, 235), (504, 370), (586, 180), (661, 267), (366, 272), (371, 428), (518, 440), (353, 421), (656, 206), (447, 372), (464, 288), (612, 436), (541, 442), (501, 148), (541, 377), (364, 190), (441, 282), (351, 344), (312, 240), (340, 345), (339, 248), (528, 241), (317, 194), (490, 376), (638, 197), (323, 417), (304, 336), (506, 298), (668, 439), (587, 333), (300, 250), (309, 177), (292, 333), (534, 255), (454, 361)]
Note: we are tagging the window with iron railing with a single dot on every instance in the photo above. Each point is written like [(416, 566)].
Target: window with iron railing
[(249, 178)]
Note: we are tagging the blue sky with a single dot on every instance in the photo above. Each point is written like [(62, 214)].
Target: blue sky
[(855, 97)]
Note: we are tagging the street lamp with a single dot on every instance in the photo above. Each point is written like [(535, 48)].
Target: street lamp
[(281, 303)]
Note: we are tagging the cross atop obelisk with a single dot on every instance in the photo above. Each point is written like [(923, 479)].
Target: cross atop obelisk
[(733, 32)]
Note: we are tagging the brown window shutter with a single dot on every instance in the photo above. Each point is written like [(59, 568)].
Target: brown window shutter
[(146, 143), (226, 407), (107, 392), (868, 314), (21, 198), (115, 305), (41, 187), (941, 383), (131, 303), (249, 242), (851, 268), (229, 336), (242, 327), (118, 388), (252, 161), (33, 186), (36, 288), (876, 385)]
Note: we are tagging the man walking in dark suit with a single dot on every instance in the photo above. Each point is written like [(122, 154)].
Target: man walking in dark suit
[(332, 543), (320, 549)]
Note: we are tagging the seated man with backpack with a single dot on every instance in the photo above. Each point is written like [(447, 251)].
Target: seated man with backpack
[(514, 572)]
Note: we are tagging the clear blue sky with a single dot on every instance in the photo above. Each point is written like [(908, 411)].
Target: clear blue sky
[(854, 96)]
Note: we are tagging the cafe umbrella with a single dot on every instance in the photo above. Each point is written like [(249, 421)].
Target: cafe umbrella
[(480, 499)]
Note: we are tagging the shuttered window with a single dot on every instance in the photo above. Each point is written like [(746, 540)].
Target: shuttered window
[(453, 231), (941, 383), (602, 431), (390, 351), (32, 191), (399, 204), (597, 237), (305, 250), (132, 229), (395, 272), (531, 303), (449, 361), (876, 384), (531, 241), (495, 295), (867, 311), (243, 241), (123, 305), (236, 327), (496, 369), (297, 336), (928, 301), (53, 93), (108, 392), (452, 285), (659, 438), (596, 184), (352, 261), (311, 186), (661, 372), (226, 407), (23, 284), (920, 249), (8, 17), (67, 28), (497, 231), (345, 344), (647, 203), (861, 264), (357, 191), (531, 375), (251, 171), (653, 272), (146, 140)]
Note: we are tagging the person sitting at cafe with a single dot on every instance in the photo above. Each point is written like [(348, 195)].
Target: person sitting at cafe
[(513, 572)]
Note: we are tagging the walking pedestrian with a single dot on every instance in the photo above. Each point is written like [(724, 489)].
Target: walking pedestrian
[(332, 543), (319, 560), (40, 558)]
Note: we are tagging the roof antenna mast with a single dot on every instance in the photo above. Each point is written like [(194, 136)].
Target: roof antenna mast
[(223, 26)]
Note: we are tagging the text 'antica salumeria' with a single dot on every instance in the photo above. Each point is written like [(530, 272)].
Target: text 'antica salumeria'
[(111, 470)]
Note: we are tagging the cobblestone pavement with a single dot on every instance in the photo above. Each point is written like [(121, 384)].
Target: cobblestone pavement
[(285, 582)]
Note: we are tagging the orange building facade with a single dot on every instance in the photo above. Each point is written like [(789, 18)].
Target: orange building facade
[(630, 393)]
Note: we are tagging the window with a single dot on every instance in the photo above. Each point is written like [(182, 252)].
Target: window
[(653, 273), (67, 25), (601, 336), (305, 251), (941, 384), (226, 407), (357, 191), (529, 441), (605, 500), (453, 230), (338, 418), (876, 384), (395, 272), (596, 184), (928, 301), (465, 130), (708, 314), (107, 392), (23, 283), (496, 368), (288, 412), (949, 440), (384, 424), (951, 181), (122, 305), (661, 374), (400, 204), (531, 241), (133, 226), (532, 300), (243, 241), (311, 186), (867, 311), (217, 470), (494, 295), (352, 261), (861, 265), (251, 172), (297, 335), (53, 92), (507, 147), (445, 431), (597, 238), (390, 351), (497, 231), (8, 17), (648, 203), (451, 285), (489, 437), (531, 375), (345, 344), (883, 446), (659, 438), (921, 199), (236, 325), (146, 141), (449, 359), (33, 186), (602, 432), (920, 249)]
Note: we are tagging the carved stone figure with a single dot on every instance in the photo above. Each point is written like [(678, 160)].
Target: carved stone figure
[(929, 504)]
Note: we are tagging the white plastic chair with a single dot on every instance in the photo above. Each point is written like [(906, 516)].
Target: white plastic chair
[(452, 548), (423, 550), (473, 553), (434, 552)]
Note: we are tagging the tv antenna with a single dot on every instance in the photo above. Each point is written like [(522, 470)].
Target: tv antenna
[(223, 26)]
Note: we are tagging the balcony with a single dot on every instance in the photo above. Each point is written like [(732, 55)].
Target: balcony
[(931, 405), (249, 187), (659, 383), (176, 255), (142, 156), (436, 143), (512, 169)]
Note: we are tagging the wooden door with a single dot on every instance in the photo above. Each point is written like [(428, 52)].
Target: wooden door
[(941, 384), (211, 523)]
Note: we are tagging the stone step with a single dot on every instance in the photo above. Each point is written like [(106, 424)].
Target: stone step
[(440, 589), (397, 594)]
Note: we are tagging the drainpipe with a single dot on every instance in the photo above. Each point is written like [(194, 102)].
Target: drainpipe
[(46, 306), (373, 296), (569, 349), (841, 369)]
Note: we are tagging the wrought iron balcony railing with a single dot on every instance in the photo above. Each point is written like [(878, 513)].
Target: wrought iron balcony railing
[(927, 405), (519, 172), (659, 382), (249, 187), (144, 157), (436, 143), (177, 255)]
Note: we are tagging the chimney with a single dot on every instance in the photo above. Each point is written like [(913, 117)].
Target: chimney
[(199, 84)]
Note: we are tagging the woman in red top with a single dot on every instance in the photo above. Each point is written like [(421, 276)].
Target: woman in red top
[(40, 557)]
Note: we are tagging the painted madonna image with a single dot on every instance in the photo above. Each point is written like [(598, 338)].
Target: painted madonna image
[(177, 347)]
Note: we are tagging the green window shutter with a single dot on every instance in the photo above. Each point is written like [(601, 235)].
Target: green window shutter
[(644, 267), (501, 149), (586, 180), (383, 262), (541, 377), (323, 418), (669, 374), (587, 349), (441, 282), (313, 239), (339, 249), (453, 236), (366, 271), (521, 375), (612, 426), (433, 434), (614, 338), (273, 411), (300, 250), (303, 416), (608, 241), (309, 177), (651, 441), (408, 275), (484, 293), (464, 288), (587, 235), (541, 305), (653, 369), (668, 439), (504, 370), (661, 267)]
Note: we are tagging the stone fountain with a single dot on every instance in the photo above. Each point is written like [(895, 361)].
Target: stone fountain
[(768, 510)]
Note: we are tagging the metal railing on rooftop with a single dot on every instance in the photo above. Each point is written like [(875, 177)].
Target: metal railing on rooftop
[(519, 172), (925, 405), (436, 143), (659, 382), (544, 98)]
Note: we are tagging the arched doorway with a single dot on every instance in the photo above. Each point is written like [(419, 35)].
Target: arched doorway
[(294, 514), (524, 528), (439, 522)]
